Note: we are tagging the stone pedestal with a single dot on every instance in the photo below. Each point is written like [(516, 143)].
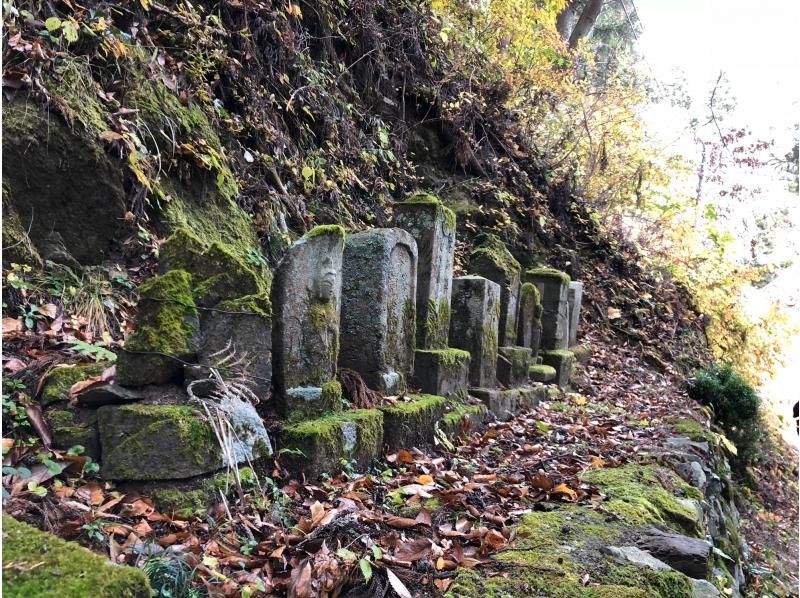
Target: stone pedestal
[(306, 298), (553, 287), (474, 326), (379, 281), (412, 423), (574, 300), (433, 227), (443, 372), (491, 259)]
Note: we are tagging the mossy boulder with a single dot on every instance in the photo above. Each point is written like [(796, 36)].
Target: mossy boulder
[(147, 441), (409, 424), (556, 550), (56, 385), (649, 494), (167, 332), (326, 444), (36, 563)]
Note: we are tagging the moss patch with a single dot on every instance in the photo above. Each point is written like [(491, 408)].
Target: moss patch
[(189, 502), (689, 428), (495, 252), (437, 323), (448, 358), (58, 381), (542, 373), (647, 494), (40, 564), (332, 230), (442, 211), (411, 423), (552, 273), (167, 326)]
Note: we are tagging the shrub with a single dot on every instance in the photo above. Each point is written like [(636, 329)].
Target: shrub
[(735, 405)]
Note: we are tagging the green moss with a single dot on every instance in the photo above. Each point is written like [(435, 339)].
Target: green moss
[(420, 404), (542, 373), (636, 493), (559, 354), (528, 293), (189, 502), (36, 563), (321, 314), (437, 323), (167, 326), (333, 230), (555, 549), (182, 250), (259, 305), (448, 358), (58, 381), (549, 273), (332, 394), (689, 428)]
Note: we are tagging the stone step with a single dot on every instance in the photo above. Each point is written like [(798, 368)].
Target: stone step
[(318, 446), (503, 404), (542, 373), (563, 362), (409, 424), (463, 419)]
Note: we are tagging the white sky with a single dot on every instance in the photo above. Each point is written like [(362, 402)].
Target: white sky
[(754, 43)]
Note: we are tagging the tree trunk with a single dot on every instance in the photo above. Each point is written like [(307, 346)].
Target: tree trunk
[(586, 22), (567, 18)]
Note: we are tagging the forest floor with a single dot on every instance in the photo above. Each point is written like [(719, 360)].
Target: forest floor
[(420, 514)]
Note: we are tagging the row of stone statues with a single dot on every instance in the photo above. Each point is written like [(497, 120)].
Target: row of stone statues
[(382, 302)]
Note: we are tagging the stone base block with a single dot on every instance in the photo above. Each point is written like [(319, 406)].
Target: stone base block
[(442, 372), (463, 419), (503, 404), (306, 402), (512, 365), (409, 424), (75, 426), (542, 373), (168, 442), (318, 446), (562, 361)]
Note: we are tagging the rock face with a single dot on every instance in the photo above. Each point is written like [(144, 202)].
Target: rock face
[(433, 226), (306, 298), (554, 288), (574, 300), (492, 260), (690, 556), (379, 281), (474, 327)]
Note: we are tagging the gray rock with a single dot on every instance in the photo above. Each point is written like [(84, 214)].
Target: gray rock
[(636, 556), (473, 328), (554, 289), (108, 394), (443, 372), (574, 300), (704, 589), (433, 227), (512, 365), (690, 556), (529, 320), (306, 299), (379, 281), (682, 443)]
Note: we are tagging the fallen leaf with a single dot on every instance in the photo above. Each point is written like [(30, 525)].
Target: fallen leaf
[(563, 489), (398, 586), (11, 326), (613, 313)]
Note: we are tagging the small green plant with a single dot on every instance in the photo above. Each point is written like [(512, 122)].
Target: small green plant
[(96, 352), (170, 577), (735, 405), (94, 531), (15, 420)]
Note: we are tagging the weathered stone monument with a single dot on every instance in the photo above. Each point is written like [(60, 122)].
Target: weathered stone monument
[(306, 297), (438, 370), (379, 281), (474, 327), (553, 287), (433, 226), (491, 259), (512, 365), (574, 300), (530, 318)]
